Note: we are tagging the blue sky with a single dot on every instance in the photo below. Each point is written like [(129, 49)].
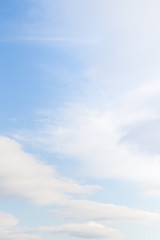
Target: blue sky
[(79, 142)]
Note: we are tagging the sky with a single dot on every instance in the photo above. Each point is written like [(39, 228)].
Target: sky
[(79, 120)]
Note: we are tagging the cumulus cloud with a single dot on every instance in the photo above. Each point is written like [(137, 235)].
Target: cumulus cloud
[(24, 176), (111, 213), (9, 229), (90, 230)]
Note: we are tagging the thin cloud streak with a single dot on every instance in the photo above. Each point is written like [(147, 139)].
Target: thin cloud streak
[(109, 213), (68, 40), (89, 230)]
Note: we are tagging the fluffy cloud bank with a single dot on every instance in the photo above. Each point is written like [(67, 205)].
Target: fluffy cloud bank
[(9, 229), (111, 213), (89, 230), (24, 176)]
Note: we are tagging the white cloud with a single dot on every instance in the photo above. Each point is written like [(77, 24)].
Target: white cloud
[(7, 220), (96, 137), (128, 53), (119, 92), (24, 176), (9, 235), (151, 188), (121, 69), (110, 213), (90, 230), (9, 229)]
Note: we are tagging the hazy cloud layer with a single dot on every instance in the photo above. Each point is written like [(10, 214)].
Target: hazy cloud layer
[(111, 213), (89, 230), (120, 92), (98, 138), (9, 229), (108, 121)]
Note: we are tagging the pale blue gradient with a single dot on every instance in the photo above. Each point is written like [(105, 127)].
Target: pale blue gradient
[(59, 58)]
